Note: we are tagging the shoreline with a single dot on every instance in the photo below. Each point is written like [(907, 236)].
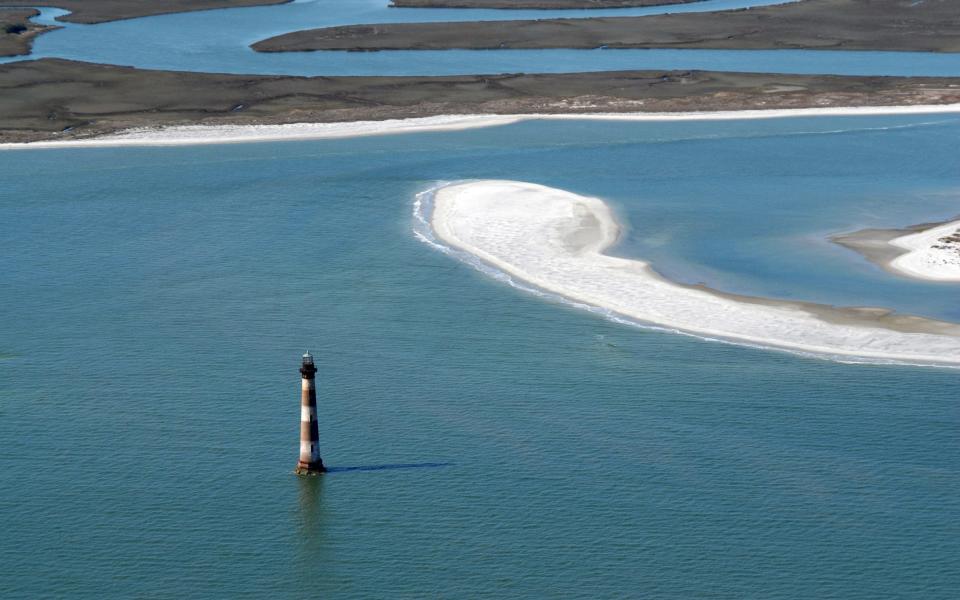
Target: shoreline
[(555, 241), (192, 135), (917, 252), (39, 100)]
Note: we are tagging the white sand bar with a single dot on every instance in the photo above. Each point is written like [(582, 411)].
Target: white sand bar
[(189, 135), (555, 240), (933, 253)]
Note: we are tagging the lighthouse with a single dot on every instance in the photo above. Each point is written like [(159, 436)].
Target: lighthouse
[(310, 462)]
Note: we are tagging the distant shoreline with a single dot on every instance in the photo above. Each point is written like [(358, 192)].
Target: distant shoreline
[(40, 100), (192, 135)]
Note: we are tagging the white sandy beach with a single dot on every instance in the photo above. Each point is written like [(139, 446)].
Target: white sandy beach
[(555, 240), (226, 134), (196, 135), (927, 255)]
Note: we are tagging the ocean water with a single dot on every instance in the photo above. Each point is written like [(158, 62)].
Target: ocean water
[(484, 442)]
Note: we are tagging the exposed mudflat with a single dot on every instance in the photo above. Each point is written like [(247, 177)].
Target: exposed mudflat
[(904, 25), (60, 99)]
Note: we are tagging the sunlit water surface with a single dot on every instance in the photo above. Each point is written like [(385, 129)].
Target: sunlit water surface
[(156, 300)]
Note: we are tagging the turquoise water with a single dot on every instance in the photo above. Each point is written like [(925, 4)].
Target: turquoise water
[(485, 443)]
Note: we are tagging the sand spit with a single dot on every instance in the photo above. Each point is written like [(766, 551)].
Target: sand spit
[(930, 251), (555, 240), (189, 135)]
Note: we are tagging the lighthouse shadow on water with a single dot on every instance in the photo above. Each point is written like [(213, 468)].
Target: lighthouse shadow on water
[(428, 465), (310, 462)]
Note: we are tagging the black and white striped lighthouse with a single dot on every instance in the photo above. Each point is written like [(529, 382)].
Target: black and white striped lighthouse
[(310, 462)]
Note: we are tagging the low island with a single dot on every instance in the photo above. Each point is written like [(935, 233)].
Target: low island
[(902, 25)]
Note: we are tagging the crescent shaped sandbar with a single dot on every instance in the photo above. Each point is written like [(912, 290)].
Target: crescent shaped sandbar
[(556, 241)]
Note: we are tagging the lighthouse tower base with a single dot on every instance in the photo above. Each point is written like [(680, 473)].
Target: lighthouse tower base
[(310, 468)]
